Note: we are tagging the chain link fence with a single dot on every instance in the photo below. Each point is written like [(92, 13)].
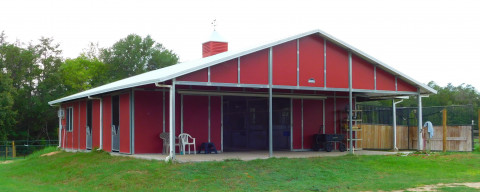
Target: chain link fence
[(21, 148)]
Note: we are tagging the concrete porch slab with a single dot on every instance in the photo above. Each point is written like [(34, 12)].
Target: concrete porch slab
[(252, 155)]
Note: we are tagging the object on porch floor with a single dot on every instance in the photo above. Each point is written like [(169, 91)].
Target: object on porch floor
[(208, 148), (165, 136), (328, 140), (184, 140)]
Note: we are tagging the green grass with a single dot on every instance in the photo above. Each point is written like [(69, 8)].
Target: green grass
[(101, 172)]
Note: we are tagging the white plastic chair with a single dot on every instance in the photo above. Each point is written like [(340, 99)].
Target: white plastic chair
[(184, 140), (166, 142)]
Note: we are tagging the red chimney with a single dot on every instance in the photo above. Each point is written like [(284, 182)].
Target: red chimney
[(215, 45)]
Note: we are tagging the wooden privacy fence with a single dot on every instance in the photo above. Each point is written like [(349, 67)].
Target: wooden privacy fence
[(459, 138)]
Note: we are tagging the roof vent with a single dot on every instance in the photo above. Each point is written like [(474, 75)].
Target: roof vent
[(215, 45)]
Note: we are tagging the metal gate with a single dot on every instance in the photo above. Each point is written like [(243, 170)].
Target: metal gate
[(115, 138), (89, 138)]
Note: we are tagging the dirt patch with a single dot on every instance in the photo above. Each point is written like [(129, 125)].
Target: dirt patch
[(442, 185), (5, 162), (50, 154)]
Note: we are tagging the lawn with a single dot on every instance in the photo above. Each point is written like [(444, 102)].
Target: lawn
[(101, 172)]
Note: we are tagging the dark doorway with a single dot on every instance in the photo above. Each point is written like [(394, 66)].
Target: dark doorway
[(245, 122), (89, 125), (115, 123)]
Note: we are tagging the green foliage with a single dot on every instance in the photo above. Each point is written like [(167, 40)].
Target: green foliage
[(134, 55), (82, 73), (102, 172), (7, 113)]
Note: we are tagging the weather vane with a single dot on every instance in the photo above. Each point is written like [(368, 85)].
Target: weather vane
[(214, 23)]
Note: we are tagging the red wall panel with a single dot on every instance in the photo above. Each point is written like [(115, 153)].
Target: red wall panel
[(311, 61), (95, 124), (195, 117), (404, 86), (76, 125), (385, 80), (312, 120), (107, 123), (83, 125), (329, 116), (216, 121), (284, 63), (125, 123), (148, 121), (362, 74), (226, 72), (297, 123), (337, 67), (200, 76), (254, 68)]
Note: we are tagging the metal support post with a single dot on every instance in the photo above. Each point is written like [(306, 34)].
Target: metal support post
[(270, 119), (350, 103), (419, 131)]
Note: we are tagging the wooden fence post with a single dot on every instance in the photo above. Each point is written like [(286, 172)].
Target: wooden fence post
[(444, 130), (14, 150)]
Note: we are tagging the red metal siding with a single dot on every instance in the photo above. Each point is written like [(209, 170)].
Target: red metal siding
[(199, 76), (216, 121), (148, 121), (337, 67), (385, 81), (83, 125), (195, 117), (95, 123), (124, 123), (329, 116), (285, 63), (404, 86), (76, 124), (254, 68), (297, 124), (226, 72), (312, 120), (107, 123), (362, 74), (311, 61), (212, 48)]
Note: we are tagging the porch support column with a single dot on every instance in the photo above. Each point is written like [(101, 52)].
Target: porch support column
[(60, 126), (394, 107), (350, 102), (172, 120), (270, 119), (420, 139)]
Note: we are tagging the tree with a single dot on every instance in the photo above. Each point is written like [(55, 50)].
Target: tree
[(82, 73), (7, 113), (134, 55)]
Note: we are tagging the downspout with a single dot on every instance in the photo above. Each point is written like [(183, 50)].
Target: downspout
[(171, 155), (395, 123), (59, 125), (101, 119)]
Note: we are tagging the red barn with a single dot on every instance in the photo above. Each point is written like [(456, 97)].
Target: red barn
[(271, 97)]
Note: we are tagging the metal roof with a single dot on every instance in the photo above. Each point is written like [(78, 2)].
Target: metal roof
[(170, 72)]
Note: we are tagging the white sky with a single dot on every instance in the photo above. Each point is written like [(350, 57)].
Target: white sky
[(427, 40)]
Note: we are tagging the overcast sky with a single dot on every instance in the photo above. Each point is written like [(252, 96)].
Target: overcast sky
[(427, 40)]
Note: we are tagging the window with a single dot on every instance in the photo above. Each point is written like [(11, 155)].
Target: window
[(70, 119)]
